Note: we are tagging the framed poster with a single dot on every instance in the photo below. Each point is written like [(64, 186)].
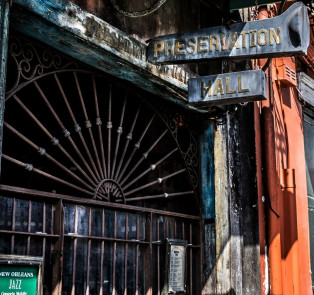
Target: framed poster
[(174, 267), (20, 275)]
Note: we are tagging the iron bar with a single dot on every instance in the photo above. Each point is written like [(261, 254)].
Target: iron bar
[(109, 127), (26, 166), (102, 252), (99, 124), (164, 195), (64, 130), (13, 225), (74, 254), (128, 139), (159, 180), (119, 131), (158, 259), (136, 147), (126, 256), (191, 259), (88, 125), (29, 226), (144, 156), (43, 96), (114, 254), (151, 168), (50, 136), (137, 254), (88, 249), (90, 202), (44, 242), (36, 147), (76, 127), (29, 234), (123, 241)]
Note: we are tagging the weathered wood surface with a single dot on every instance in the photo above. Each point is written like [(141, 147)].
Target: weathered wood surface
[(228, 88), (67, 28), (207, 168), (222, 221), (4, 31)]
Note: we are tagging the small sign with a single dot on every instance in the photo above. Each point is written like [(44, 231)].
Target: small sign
[(228, 88), (19, 277), (177, 269), (284, 35), (174, 262)]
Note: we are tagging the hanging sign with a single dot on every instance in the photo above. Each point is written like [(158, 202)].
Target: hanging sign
[(228, 88), (19, 276), (287, 34)]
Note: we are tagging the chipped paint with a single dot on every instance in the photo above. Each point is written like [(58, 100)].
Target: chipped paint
[(99, 33)]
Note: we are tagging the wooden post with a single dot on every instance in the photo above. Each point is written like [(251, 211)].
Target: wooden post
[(4, 31), (208, 207)]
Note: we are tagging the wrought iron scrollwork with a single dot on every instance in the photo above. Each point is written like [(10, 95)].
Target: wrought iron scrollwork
[(31, 62), (135, 152)]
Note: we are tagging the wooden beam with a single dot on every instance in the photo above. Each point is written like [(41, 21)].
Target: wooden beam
[(69, 29)]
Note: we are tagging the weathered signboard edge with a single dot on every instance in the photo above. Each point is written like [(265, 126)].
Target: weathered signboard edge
[(21, 260), (42, 20), (232, 100), (190, 58)]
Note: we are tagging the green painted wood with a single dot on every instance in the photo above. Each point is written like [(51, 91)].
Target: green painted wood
[(65, 27), (4, 29), (207, 171)]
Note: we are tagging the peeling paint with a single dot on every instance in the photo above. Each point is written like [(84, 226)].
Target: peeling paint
[(99, 33)]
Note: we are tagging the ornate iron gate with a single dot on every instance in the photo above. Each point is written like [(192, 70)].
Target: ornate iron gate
[(95, 174)]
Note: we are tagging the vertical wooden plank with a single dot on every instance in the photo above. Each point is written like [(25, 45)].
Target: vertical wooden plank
[(207, 170), (101, 289), (4, 32), (29, 227), (58, 228), (74, 253), (222, 220), (244, 222), (44, 245), (89, 242), (208, 206), (114, 255), (148, 257), (13, 225), (126, 246), (158, 258), (137, 253), (235, 205)]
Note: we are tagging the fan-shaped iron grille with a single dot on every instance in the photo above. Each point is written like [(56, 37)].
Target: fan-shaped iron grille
[(97, 171), (76, 133)]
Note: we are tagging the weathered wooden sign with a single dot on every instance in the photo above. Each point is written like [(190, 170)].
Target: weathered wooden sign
[(20, 275), (228, 88), (287, 34)]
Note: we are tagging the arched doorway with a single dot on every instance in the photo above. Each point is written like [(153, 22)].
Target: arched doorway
[(95, 175)]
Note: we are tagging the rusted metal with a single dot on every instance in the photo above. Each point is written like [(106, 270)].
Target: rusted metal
[(88, 126), (136, 147), (88, 190), (266, 38), (151, 168), (44, 153)]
